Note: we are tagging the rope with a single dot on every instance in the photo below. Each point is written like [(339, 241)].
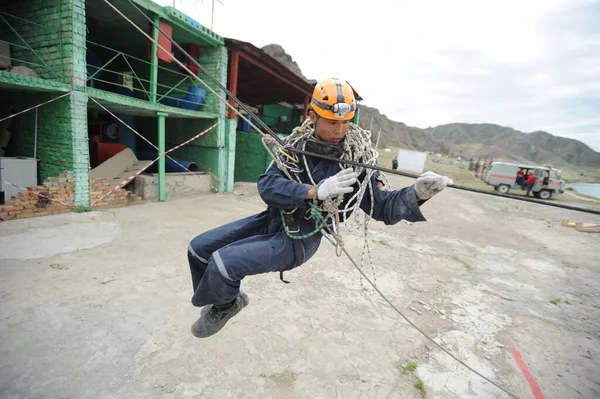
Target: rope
[(357, 145), (423, 332)]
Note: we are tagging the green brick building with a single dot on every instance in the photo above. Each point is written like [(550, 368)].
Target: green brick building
[(86, 52)]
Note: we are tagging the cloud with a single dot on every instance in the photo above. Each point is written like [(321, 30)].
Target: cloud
[(531, 65)]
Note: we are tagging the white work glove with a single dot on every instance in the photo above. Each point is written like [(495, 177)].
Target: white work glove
[(338, 184), (429, 184)]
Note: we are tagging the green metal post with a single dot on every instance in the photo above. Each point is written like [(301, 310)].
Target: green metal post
[(161, 160), (154, 61), (356, 118)]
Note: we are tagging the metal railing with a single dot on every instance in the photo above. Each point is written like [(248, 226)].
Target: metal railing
[(112, 75), (29, 46)]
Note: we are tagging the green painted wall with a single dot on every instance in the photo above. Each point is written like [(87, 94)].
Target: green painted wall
[(44, 31), (56, 33), (356, 118), (204, 150), (62, 126), (169, 76), (251, 159), (73, 21), (62, 142), (55, 30), (271, 114), (214, 60), (80, 147), (54, 143)]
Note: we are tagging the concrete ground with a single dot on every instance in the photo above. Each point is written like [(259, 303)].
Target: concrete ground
[(97, 305)]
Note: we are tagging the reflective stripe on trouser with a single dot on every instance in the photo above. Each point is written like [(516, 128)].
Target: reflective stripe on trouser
[(197, 267), (201, 248), (237, 250), (230, 264)]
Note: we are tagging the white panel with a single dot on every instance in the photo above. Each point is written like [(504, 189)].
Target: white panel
[(411, 161), (19, 171)]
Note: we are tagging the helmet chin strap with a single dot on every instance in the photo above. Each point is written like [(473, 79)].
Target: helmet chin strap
[(315, 124)]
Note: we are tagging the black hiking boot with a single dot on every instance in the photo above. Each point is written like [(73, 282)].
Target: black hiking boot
[(243, 295), (214, 319)]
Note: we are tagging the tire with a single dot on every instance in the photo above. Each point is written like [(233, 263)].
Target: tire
[(502, 188), (545, 194)]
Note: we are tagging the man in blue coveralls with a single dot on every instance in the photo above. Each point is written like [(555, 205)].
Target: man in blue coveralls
[(220, 258)]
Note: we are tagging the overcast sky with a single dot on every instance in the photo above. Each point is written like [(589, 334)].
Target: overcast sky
[(528, 64)]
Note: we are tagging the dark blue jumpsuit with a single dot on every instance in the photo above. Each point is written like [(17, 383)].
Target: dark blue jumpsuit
[(220, 258)]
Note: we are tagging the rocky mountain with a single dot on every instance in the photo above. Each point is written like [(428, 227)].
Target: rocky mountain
[(470, 140), (277, 52), (538, 147), (482, 139), (394, 134)]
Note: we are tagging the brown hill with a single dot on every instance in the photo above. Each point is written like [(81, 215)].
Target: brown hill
[(470, 140)]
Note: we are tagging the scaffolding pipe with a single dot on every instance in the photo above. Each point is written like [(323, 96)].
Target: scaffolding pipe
[(161, 159), (154, 61), (35, 135)]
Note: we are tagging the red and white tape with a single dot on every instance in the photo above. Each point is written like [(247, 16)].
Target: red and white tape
[(155, 147), (148, 141), (136, 174), (190, 140), (37, 193), (34, 107)]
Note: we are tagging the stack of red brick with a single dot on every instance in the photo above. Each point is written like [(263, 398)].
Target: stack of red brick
[(29, 204), (118, 199)]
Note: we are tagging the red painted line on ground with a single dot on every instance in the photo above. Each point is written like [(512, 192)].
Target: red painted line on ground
[(535, 388)]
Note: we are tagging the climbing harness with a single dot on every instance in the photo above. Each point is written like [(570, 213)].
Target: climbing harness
[(357, 147)]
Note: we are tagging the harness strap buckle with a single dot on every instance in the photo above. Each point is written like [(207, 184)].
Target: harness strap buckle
[(290, 220)]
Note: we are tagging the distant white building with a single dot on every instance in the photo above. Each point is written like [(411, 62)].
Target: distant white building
[(411, 161)]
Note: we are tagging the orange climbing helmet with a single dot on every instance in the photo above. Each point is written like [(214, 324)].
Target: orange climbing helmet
[(334, 99)]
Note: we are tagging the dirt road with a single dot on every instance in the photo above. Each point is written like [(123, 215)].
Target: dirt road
[(98, 305)]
